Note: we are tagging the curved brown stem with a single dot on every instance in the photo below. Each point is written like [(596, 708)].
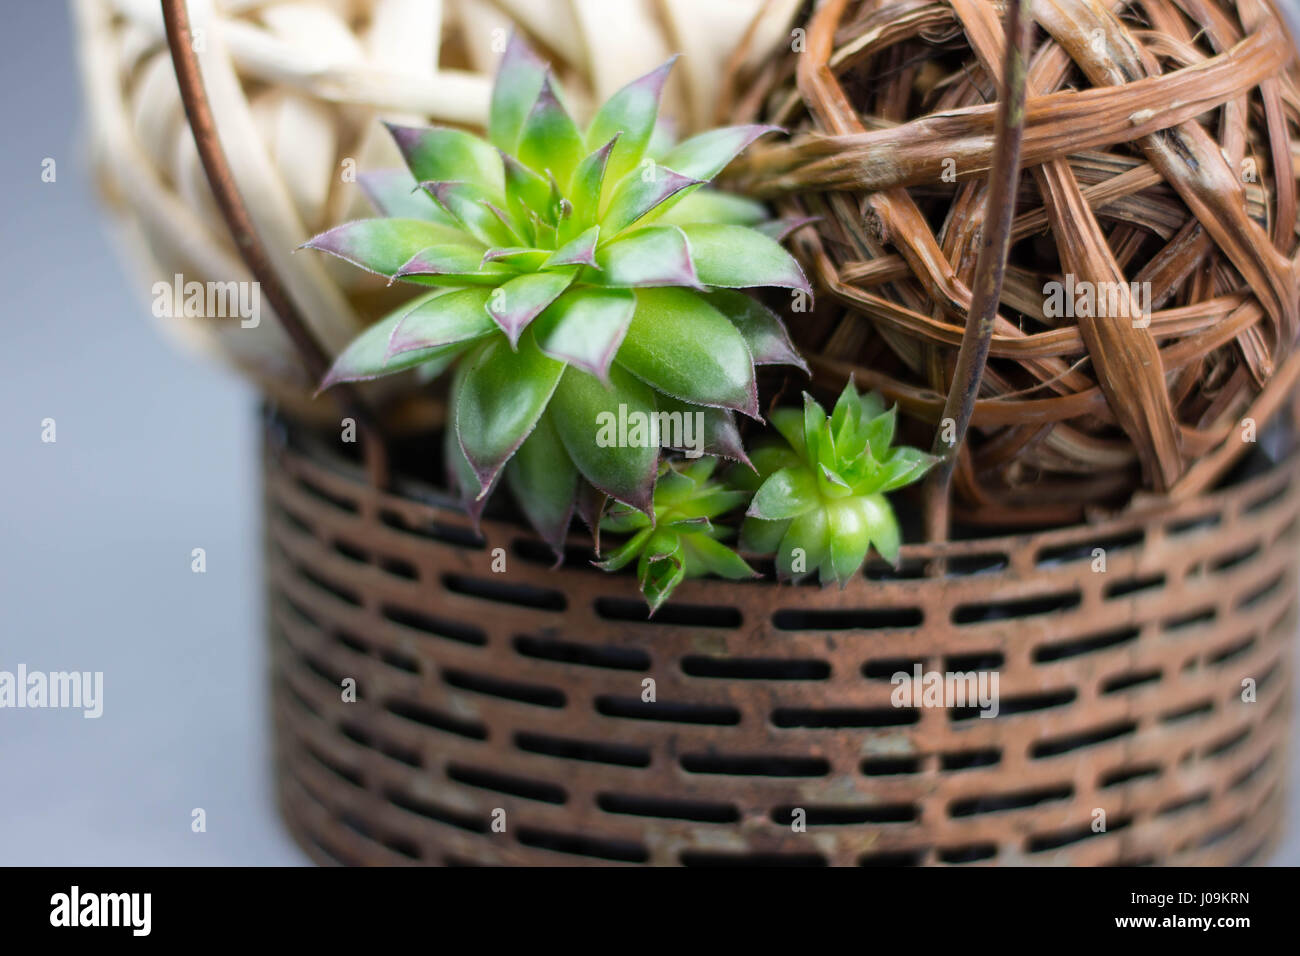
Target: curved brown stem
[(990, 269), (198, 111)]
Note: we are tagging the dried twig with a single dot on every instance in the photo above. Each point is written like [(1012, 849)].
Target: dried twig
[(990, 267)]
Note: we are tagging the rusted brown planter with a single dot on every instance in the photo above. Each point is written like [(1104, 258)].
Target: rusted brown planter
[(521, 692)]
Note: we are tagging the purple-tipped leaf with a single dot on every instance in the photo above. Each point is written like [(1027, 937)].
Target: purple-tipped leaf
[(632, 112), (472, 207), (550, 139), (587, 183), (591, 502), (736, 257), (782, 229), (500, 397), (518, 80), (383, 246), (396, 194), (585, 326), (707, 430), (604, 431), (639, 193), (452, 265), (367, 357), (581, 251), (460, 475), (653, 256), (526, 191), (711, 205), (516, 303), (436, 154), (544, 483), (456, 317), (685, 347), (707, 154), (764, 333), (523, 258)]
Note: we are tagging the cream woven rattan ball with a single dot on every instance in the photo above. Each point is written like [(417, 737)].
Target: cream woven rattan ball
[(297, 90)]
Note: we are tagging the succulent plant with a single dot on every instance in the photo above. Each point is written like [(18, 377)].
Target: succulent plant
[(572, 275), (820, 502), (681, 541)]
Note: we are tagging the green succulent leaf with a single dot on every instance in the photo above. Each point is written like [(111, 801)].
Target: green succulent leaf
[(639, 193), (526, 191), (682, 541), (550, 140), (435, 154), (580, 251), (367, 357), (781, 229), (660, 576), (473, 208), (588, 181), (455, 264), (789, 423), (735, 257), (705, 155), (585, 327), (516, 303), (499, 401), (460, 474), (805, 546), (762, 537), (590, 505), (653, 256), (882, 526), (710, 205), (587, 416), (705, 430), (627, 552), (396, 194), (764, 333), (787, 493), (518, 82), (902, 467), (849, 538), (519, 258), (630, 114), (683, 346), (879, 431), (440, 320), (543, 480), (383, 246), (707, 556), (846, 416)]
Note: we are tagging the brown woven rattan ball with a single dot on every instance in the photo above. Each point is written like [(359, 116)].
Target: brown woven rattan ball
[(1150, 305)]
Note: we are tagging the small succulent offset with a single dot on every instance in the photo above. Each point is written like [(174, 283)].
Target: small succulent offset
[(682, 542), (821, 502), (574, 274)]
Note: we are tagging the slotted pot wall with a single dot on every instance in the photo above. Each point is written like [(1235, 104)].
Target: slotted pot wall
[(516, 698)]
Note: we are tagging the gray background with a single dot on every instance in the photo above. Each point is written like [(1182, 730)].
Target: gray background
[(155, 456)]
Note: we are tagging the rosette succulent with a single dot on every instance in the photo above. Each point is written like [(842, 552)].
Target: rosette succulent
[(820, 503), (681, 541), (573, 274)]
